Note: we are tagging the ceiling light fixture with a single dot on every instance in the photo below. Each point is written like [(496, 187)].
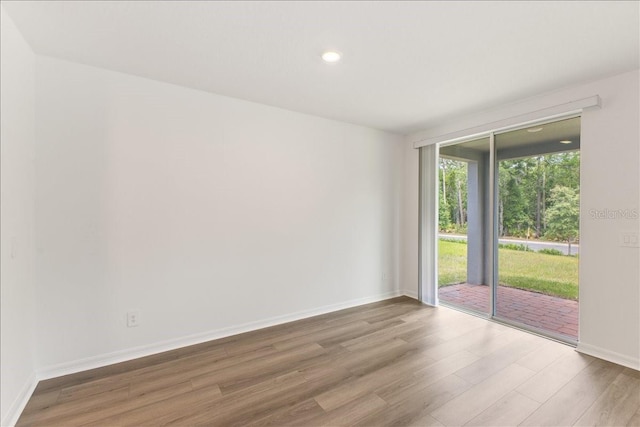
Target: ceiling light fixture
[(534, 130), (331, 56), (565, 141)]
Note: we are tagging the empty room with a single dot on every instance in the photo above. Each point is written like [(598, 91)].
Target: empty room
[(320, 213)]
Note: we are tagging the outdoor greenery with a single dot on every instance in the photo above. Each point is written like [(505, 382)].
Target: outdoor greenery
[(538, 198), (539, 272), (452, 262), (563, 216), (515, 247), (525, 196), (550, 251)]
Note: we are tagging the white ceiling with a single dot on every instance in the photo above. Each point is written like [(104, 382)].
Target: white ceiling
[(406, 65)]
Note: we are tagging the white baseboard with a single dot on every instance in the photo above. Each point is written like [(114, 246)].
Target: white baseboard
[(11, 417), (414, 295), (410, 294), (147, 350), (608, 355)]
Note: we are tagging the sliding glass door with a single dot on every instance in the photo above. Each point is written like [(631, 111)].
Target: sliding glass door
[(538, 207), (508, 227), (464, 244)]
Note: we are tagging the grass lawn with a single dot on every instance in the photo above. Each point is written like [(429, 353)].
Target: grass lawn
[(549, 274)]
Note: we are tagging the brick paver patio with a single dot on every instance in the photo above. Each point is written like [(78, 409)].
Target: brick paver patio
[(541, 311)]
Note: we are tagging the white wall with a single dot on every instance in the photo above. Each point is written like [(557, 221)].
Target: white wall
[(17, 347), (201, 211), (610, 179)]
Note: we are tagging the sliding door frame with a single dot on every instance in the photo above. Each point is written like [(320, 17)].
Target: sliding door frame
[(428, 204)]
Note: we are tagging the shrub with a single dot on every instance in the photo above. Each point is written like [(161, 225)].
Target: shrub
[(549, 251), (458, 229), (515, 247)]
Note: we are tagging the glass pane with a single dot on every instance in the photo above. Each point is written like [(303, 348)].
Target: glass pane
[(464, 277), (538, 191)]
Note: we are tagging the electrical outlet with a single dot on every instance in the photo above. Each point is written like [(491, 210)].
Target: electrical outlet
[(629, 239), (133, 318), (384, 276)]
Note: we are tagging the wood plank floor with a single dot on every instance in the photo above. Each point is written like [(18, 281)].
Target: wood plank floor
[(395, 362)]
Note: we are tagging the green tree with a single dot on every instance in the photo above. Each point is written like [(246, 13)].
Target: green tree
[(563, 216), (444, 216), (453, 188), (515, 219), (564, 169), (513, 205), (525, 189)]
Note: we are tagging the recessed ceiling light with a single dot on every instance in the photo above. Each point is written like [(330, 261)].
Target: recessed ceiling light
[(565, 141), (331, 56), (534, 130)]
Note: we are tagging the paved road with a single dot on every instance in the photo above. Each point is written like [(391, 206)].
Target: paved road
[(536, 245)]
